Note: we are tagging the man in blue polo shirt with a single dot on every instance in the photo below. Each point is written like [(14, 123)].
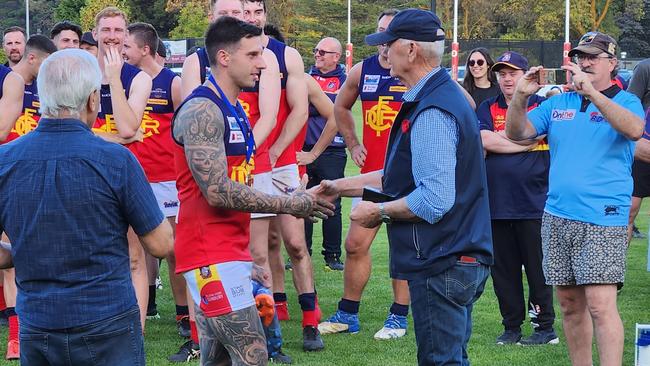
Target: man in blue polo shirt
[(517, 176), (591, 133), (68, 199)]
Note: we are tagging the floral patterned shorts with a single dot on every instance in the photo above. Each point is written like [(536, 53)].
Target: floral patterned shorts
[(580, 253)]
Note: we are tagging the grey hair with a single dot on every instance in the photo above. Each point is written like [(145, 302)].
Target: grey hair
[(65, 81), (431, 50)]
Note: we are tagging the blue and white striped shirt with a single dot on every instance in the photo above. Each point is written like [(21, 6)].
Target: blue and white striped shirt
[(434, 138)]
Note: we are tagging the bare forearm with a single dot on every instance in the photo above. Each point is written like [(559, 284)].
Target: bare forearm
[(160, 241), (621, 119), (517, 125), (294, 123), (642, 150), (398, 210), (126, 121), (263, 128), (353, 186), (496, 143), (325, 138), (345, 125)]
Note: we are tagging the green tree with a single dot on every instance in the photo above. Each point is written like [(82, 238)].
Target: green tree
[(92, 7), (192, 21), (69, 10), (3, 56), (154, 13)]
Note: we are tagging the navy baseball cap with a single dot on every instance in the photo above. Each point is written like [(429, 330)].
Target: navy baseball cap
[(411, 24), (512, 60), (88, 39)]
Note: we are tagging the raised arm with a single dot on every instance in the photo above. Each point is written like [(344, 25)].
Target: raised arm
[(191, 75), (11, 104), (298, 103), (325, 107), (199, 125), (269, 98), (127, 112), (518, 126), (348, 95)]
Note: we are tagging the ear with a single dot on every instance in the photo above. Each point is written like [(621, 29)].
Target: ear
[(223, 57), (93, 101), (412, 53)]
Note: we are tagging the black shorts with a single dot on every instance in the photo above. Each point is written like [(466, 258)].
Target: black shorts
[(641, 177)]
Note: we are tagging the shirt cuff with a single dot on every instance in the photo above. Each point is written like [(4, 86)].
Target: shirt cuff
[(417, 203)]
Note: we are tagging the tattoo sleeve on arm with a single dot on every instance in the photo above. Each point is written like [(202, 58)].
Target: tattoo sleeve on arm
[(200, 127)]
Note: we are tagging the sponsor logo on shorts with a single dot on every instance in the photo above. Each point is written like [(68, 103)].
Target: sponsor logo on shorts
[(170, 204), (563, 114), (612, 210), (596, 117), (237, 291)]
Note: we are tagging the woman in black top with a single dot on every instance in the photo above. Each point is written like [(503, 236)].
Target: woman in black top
[(480, 81)]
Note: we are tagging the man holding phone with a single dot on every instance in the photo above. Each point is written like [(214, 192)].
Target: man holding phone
[(591, 133), (517, 177)]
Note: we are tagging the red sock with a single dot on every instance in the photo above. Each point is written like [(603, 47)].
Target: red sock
[(309, 318), (3, 304), (13, 328), (195, 332)]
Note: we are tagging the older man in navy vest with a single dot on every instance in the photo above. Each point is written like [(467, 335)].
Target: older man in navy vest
[(433, 192)]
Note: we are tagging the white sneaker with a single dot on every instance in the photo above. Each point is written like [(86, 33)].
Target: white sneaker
[(394, 327)]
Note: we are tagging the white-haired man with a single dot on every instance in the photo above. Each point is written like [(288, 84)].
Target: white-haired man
[(81, 194)]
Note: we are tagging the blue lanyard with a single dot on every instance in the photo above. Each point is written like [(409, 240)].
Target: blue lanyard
[(249, 140)]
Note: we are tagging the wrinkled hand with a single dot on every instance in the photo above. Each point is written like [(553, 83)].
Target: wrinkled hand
[(359, 153), (326, 190), (527, 84), (261, 275), (366, 214), (308, 205), (305, 157), (580, 81), (113, 62)]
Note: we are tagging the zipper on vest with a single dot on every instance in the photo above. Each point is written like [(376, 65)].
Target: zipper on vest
[(415, 243)]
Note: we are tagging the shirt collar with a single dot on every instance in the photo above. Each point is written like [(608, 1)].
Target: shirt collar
[(61, 124), (410, 94)]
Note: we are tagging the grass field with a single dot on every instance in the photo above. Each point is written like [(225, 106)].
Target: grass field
[(362, 349)]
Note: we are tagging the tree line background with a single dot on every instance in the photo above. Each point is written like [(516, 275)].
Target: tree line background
[(305, 22)]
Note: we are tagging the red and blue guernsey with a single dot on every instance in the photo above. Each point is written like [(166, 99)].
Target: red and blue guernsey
[(4, 71), (28, 120), (105, 121), (330, 83), (517, 183), (156, 151), (207, 235), (381, 99)]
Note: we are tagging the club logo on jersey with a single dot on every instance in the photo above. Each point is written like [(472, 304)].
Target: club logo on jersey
[(381, 116), (370, 83), (242, 173), (158, 97), (596, 117), (499, 122), (149, 125), (26, 122), (563, 114)]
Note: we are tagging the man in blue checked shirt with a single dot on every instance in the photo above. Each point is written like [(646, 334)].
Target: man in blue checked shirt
[(440, 237), (68, 199)]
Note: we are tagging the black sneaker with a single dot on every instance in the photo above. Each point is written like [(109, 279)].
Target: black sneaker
[(333, 263), (183, 326), (311, 340), (636, 234), (509, 337), (540, 337), (152, 312), (189, 351), (287, 265), (280, 357)]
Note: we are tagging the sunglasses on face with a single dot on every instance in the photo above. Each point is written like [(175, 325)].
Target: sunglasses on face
[(476, 62), (321, 52)]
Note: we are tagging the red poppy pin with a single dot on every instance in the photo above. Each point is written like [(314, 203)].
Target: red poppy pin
[(405, 125)]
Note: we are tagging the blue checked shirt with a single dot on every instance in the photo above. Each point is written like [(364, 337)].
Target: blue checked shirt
[(68, 198), (434, 138)]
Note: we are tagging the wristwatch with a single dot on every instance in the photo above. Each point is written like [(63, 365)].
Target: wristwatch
[(384, 216)]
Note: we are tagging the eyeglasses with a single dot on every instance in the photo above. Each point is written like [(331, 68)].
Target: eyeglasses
[(322, 52), (587, 57), (471, 63)]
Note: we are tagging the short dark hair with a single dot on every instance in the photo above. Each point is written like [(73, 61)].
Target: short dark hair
[(213, 2), (257, 1), (15, 29), (162, 50), (388, 13), (65, 25), (226, 32), (145, 35), (274, 32), (39, 42)]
